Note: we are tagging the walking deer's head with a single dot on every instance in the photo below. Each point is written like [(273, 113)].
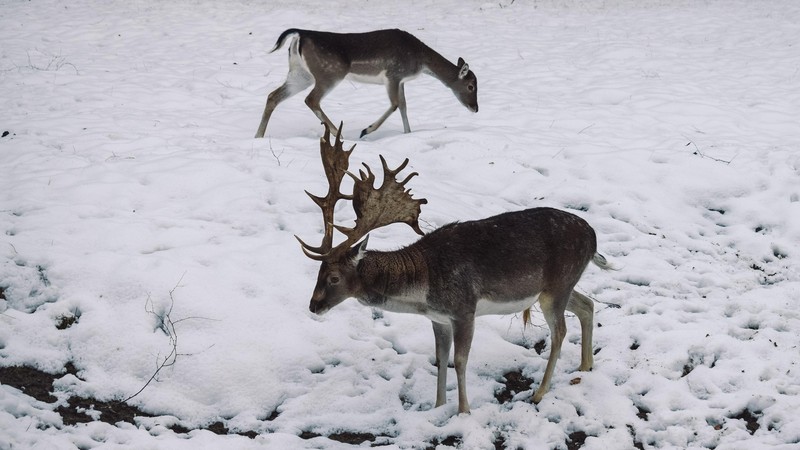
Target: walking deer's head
[(466, 87), (338, 277)]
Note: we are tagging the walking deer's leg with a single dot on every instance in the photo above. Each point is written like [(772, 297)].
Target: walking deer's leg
[(443, 336), (276, 97), (583, 307), (321, 89), (393, 89), (463, 331), (553, 309), (297, 80), (401, 104)]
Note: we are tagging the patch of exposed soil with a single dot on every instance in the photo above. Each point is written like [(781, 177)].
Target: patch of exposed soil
[(76, 410), (39, 385), (31, 381)]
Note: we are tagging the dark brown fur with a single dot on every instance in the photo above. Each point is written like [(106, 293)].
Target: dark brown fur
[(500, 263)]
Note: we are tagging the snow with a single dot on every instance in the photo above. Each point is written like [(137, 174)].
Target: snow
[(132, 189)]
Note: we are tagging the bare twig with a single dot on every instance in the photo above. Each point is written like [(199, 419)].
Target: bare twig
[(167, 325), (115, 156), (55, 63), (274, 155), (702, 155)]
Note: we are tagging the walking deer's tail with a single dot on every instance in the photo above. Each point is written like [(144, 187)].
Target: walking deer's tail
[(282, 38)]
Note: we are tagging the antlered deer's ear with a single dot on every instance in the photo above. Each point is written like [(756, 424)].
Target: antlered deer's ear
[(357, 251), (463, 68)]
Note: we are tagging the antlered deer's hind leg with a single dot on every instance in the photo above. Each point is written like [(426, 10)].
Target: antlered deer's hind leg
[(553, 307), (583, 307)]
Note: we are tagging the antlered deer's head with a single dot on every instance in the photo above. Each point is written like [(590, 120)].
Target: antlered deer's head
[(338, 277)]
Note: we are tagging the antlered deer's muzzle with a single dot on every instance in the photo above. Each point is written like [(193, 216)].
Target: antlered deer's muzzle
[(316, 308), (318, 304)]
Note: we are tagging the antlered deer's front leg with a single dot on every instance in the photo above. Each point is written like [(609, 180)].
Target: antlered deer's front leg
[(443, 336), (463, 329)]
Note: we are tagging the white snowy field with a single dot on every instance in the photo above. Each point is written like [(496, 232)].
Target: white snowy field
[(133, 194)]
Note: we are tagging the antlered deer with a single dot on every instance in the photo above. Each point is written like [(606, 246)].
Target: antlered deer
[(388, 57), (499, 265)]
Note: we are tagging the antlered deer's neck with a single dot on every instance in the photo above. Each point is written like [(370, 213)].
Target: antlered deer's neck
[(394, 274)]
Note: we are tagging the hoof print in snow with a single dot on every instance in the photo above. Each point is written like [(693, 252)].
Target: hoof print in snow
[(636, 443), (696, 360), (687, 369), (779, 253), (26, 288), (272, 416), (449, 441), (642, 413), (576, 439), (500, 443), (515, 382), (220, 428), (750, 419), (67, 320)]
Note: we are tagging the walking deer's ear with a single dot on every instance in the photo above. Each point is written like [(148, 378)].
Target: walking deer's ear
[(463, 68)]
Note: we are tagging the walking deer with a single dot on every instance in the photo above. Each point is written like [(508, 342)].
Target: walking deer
[(499, 265), (388, 57)]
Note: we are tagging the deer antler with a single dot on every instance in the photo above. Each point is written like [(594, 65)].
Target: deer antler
[(374, 208), (390, 203), (335, 161)]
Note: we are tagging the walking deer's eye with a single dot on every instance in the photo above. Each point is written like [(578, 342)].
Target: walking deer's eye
[(334, 280), (471, 87)]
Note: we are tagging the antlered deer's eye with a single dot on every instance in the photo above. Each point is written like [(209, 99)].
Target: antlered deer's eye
[(334, 280), (471, 88)]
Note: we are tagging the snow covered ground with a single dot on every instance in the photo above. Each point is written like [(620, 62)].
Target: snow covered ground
[(132, 197)]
